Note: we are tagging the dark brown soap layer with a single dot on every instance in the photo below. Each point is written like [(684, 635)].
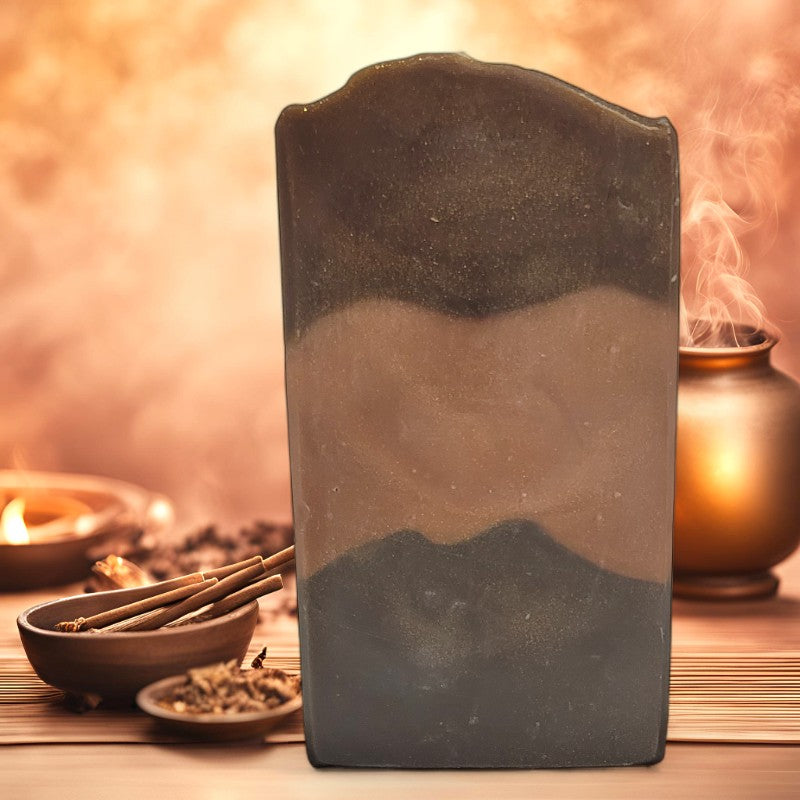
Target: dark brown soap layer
[(505, 650), (470, 188)]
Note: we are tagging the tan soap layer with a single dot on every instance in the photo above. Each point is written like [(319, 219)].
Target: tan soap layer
[(447, 425)]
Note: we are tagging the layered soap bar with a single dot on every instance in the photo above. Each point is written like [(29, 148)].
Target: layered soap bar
[(480, 286)]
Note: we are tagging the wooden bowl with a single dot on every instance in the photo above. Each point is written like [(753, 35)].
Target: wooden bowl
[(114, 666), (217, 727)]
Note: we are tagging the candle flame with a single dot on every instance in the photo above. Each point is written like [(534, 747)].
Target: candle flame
[(13, 529)]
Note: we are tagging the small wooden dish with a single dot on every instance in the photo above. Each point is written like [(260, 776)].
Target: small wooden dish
[(114, 666), (217, 727)]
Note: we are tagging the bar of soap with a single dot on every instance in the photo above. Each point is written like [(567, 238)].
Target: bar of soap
[(480, 286)]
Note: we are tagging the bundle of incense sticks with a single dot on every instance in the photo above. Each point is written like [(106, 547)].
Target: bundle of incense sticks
[(191, 598)]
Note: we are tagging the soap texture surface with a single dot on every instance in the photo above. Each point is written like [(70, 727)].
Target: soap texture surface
[(480, 286)]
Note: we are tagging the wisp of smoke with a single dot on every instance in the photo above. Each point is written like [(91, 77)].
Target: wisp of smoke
[(730, 166)]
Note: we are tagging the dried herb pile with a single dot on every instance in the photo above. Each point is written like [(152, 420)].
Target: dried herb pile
[(226, 689)]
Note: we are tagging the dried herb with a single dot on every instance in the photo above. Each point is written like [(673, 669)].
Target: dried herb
[(225, 689), (258, 661)]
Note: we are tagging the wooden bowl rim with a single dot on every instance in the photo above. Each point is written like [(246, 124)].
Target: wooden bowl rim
[(146, 699), (106, 493), (198, 627)]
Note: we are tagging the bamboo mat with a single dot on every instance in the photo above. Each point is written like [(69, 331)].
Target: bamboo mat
[(735, 677), (736, 667)]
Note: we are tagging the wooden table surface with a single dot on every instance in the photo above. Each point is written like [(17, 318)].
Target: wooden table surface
[(205, 772), (217, 772)]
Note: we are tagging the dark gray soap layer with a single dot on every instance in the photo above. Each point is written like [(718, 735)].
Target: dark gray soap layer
[(506, 650)]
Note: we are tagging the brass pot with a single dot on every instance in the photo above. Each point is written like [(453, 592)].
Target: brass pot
[(737, 493)]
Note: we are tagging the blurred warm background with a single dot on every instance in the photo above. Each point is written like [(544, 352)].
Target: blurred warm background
[(141, 319)]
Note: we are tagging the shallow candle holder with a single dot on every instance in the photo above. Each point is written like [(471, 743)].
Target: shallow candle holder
[(114, 509)]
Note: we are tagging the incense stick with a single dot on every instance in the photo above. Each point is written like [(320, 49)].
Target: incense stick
[(272, 564), (222, 588), (134, 609), (281, 560), (230, 569), (241, 598)]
